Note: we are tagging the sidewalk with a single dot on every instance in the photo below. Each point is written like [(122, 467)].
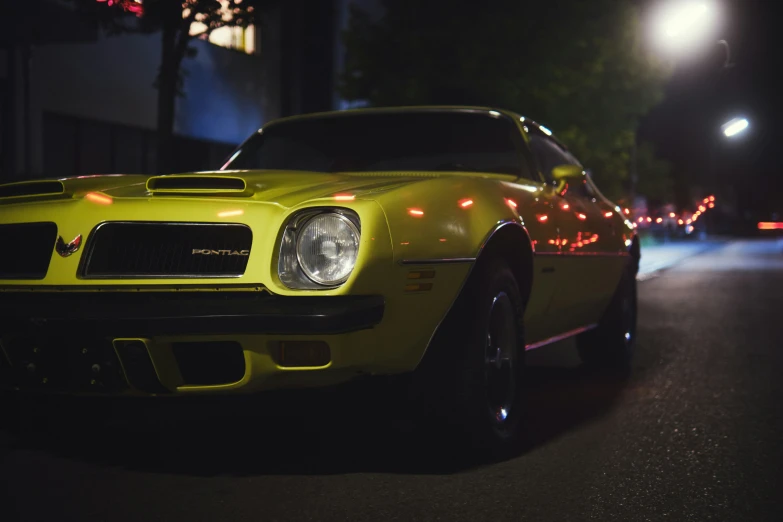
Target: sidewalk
[(664, 255)]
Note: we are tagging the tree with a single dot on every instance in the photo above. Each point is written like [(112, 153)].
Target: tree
[(655, 175), (578, 67), (179, 22)]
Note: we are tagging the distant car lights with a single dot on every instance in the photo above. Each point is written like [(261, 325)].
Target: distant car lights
[(770, 225), (685, 219)]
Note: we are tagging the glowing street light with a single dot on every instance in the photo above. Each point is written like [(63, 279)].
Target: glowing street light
[(679, 27), (734, 127)]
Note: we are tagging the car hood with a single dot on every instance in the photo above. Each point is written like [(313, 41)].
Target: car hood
[(285, 188), (282, 187)]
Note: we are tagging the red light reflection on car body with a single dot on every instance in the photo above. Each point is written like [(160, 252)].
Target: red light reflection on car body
[(100, 199)]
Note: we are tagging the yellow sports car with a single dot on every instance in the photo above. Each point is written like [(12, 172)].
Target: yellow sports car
[(437, 242)]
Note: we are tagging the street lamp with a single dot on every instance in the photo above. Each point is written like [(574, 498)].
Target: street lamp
[(681, 26), (677, 28), (734, 127), (729, 130)]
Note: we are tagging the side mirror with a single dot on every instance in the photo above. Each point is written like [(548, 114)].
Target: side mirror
[(565, 173)]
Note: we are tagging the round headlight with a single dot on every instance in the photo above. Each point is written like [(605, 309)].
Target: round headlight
[(326, 247)]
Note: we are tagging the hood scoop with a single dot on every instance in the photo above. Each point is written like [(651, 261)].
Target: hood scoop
[(31, 189), (198, 185)]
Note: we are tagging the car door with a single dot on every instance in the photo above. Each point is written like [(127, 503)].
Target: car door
[(589, 252), (542, 227), (583, 229)]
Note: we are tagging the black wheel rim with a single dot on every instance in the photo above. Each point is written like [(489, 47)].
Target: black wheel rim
[(500, 363)]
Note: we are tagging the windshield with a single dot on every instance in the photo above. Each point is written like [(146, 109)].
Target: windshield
[(413, 141)]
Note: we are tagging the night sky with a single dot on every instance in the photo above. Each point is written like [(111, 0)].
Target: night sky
[(702, 95)]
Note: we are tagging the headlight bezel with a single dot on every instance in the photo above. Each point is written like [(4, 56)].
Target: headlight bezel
[(289, 267)]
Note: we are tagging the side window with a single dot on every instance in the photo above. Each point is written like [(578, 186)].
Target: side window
[(528, 164), (549, 154), (586, 189), (589, 188)]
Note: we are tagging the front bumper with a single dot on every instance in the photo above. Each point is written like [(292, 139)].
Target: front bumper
[(153, 342), (144, 314)]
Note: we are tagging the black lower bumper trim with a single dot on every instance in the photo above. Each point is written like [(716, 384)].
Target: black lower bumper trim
[(142, 314)]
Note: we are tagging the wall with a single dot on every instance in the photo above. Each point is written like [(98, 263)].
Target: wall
[(112, 81)]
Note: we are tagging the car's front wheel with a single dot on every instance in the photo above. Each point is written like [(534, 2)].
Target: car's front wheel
[(474, 367)]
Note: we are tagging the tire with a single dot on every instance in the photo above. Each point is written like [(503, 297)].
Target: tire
[(470, 381), (611, 344)]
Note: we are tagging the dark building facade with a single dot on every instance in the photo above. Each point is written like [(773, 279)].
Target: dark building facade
[(74, 100)]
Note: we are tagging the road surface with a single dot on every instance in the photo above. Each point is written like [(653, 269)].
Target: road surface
[(696, 433)]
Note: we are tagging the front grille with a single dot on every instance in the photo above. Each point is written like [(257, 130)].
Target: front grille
[(149, 250), (29, 248)]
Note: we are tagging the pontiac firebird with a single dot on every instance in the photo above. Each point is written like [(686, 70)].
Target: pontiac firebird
[(436, 242)]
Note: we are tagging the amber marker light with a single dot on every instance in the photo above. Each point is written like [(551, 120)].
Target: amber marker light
[(344, 197)]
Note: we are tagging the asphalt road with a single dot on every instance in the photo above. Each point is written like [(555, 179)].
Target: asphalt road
[(696, 433)]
